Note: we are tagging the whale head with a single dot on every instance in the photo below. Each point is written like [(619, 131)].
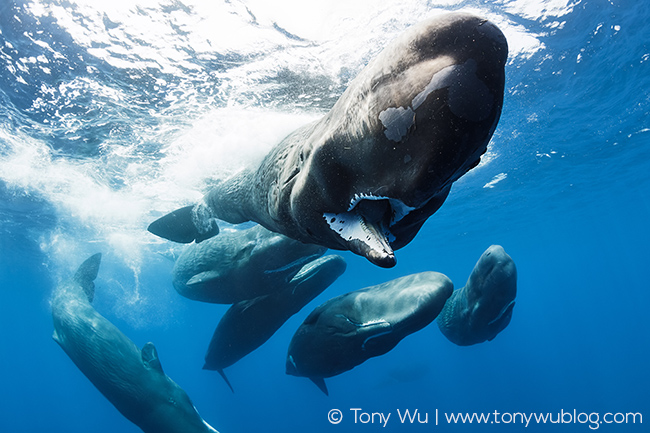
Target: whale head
[(240, 264), (414, 120), (351, 328), (491, 290)]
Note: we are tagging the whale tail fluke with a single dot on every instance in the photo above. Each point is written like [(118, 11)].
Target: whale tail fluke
[(86, 275), (180, 226)]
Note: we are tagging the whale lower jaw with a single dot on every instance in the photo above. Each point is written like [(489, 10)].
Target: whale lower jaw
[(505, 313), (365, 227), (363, 238)]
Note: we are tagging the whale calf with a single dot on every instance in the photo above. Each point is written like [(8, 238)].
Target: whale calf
[(240, 265), (249, 324), (367, 175), (483, 308), (349, 329), (131, 379)]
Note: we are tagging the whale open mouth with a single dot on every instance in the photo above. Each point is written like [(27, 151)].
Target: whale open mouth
[(365, 227)]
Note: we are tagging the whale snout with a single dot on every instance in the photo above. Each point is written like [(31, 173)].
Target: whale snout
[(383, 259), (494, 34)]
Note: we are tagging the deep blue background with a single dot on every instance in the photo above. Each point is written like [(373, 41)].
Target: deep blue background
[(573, 212)]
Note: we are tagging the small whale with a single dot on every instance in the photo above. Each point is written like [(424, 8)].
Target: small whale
[(249, 324), (131, 379), (483, 308), (367, 175), (349, 329), (240, 265)]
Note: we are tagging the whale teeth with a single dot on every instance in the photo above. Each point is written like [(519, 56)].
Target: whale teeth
[(398, 207), (363, 196)]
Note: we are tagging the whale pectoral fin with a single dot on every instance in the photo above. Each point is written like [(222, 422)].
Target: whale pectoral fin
[(320, 383), (179, 226), (86, 274), (203, 278), (150, 357)]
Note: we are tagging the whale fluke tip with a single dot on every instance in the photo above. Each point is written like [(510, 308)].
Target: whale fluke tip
[(87, 273)]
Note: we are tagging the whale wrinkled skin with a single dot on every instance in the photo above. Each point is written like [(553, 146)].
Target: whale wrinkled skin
[(240, 265), (367, 175), (349, 329), (483, 308), (249, 324), (130, 378)]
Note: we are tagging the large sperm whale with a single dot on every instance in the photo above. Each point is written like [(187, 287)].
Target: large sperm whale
[(130, 378), (367, 175)]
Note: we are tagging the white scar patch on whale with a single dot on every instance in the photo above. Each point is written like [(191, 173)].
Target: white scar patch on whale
[(443, 78), (397, 121)]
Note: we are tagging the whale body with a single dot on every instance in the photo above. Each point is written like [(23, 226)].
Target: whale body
[(249, 324), (131, 379), (483, 308), (240, 265), (367, 175), (349, 329)]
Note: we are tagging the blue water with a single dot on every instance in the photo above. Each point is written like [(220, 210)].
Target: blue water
[(112, 115)]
